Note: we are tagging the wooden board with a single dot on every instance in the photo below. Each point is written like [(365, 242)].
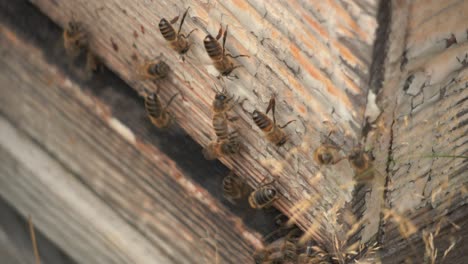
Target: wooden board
[(15, 240), (72, 165), (314, 56), (421, 129)]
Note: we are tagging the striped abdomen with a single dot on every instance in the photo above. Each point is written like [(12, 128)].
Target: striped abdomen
[(289, 251), (167, 30), (153, 106), (220, 126), (231, 145), (232, 187), (262, 121), (262, 197), (213, 48)]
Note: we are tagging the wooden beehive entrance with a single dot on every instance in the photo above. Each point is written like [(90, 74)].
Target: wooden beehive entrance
[(130, 193)]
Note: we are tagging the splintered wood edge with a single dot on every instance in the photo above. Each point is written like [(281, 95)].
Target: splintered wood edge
[(52, 79), (313, 88)]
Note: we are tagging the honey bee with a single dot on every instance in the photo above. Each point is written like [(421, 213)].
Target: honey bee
[(361, 162), (233, 187), (178, 41), (289, 251), (327, 154), (264, 196), (221, 59), (272, 131), (314, 255), (75, 38), (221, 104), (158, 114), (227, 147), (153, 70), (261, 256)]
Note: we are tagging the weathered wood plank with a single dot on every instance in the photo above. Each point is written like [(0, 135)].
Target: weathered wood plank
[(15, 240), (157, 214), (315, 57), (423, 100)]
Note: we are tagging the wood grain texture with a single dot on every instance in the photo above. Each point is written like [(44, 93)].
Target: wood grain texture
[(109, 193), (422, 127), (15, 240), (315, 56)]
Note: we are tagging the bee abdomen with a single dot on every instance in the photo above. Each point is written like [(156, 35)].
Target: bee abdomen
[(262, 121), (167, 30), (231, 187), (264, 196), (153, 105), (213, 48), (220, 126)]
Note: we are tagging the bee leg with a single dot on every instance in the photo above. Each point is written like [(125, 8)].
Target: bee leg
[(237, 56), (232, 118), (232, 77), (464, 61), (170, 100), (188, 35), (182, 21), (285, 125)]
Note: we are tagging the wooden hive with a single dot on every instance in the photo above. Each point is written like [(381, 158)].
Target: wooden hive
[(332, 70)]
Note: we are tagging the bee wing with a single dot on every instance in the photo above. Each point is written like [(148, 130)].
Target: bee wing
[(174, 20), (271, 105)]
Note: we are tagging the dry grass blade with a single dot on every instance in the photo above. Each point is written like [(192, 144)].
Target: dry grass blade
[(452, 245), (405, 226), (430, 254), (33, 240)]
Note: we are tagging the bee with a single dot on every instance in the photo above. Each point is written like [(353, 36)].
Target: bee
[(158, 114), (233, 187), (177, 41), (272, 131), (361, 162), (227, 147), (154, 70), (327, 154), (75, 38), (221, 104), (264, 196), (261, 256), (222, 60), (289, 251), (289, 248)]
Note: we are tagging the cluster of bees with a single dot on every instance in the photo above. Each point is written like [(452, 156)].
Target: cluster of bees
[(227, 140)]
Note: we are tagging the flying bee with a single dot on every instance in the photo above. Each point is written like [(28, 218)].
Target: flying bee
[(234, 187), (153, 70), (178, 41), (222, 60), (158, 114), (327, 154), (227, 147), (274, 133), (75, 38), (264, 196)]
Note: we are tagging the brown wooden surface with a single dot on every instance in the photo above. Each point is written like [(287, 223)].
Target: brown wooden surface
[(315, 56), (423, 117), (60, 146)]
